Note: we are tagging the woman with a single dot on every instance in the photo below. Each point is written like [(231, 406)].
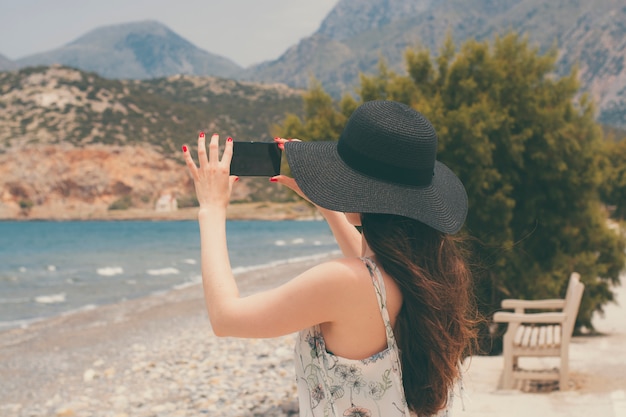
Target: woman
[(382, 331)]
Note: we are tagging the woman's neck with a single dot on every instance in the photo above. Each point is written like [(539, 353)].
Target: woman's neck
[(365, 249)]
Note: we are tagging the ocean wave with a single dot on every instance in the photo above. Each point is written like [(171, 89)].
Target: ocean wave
[(163, 271), (86, 307), (110, 271), (295, 241), (190, 261), (14, 300), (51, 299), (297, 259), (24, 323), (195, 280)]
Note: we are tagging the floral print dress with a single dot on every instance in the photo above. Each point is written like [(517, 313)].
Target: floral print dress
[(331, 386)]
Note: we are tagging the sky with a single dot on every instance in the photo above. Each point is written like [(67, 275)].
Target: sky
[(246, 31)]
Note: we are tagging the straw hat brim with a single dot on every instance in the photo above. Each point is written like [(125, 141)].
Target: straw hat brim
[(330, 183)]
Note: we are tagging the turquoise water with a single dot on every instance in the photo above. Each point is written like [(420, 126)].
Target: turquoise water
[(49, 268)]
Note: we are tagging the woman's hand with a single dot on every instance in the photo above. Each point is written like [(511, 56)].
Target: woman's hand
[(212, 179), (346, 235), (290, 183), (285, 180)]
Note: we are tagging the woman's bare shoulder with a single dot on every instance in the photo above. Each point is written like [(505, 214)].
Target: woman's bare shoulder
[(343, 273), (346, 266)]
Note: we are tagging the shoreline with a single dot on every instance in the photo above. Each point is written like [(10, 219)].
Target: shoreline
[(77, 364), (262, 210), (157, 356), (148, 356), (247, 277)]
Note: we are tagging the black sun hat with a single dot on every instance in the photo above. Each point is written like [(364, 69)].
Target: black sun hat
[(384, 162)]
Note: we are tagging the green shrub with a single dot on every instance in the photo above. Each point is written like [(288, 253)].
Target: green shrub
[(187, 201), (122, 203)]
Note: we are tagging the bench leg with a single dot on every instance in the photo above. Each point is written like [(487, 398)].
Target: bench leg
[(507, 374), (510, 361), (564, 370)]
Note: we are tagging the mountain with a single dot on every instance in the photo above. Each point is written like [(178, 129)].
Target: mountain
[(6, 64), (137, 50), (48, 105), (598, 47), (357, 33), (72, 142)]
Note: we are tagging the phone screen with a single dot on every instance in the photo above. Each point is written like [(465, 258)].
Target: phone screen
[(255, 159)]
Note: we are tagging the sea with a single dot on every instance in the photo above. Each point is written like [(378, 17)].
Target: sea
[(55, 268)]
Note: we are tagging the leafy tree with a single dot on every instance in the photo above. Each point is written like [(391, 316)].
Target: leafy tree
[(529, 153), (531, 159), (322, 119), (613, 190)]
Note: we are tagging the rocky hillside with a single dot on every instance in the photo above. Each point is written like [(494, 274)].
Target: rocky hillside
[(598, 47), (62, 181), (73, 143), (357, 33), (136, 50)]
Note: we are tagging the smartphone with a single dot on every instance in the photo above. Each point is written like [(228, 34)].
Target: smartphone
[(255, 159)]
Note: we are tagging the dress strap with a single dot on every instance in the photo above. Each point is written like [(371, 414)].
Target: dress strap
[(379, 286)]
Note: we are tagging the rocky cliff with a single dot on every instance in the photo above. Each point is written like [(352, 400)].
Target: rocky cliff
[(358, 33), (73, 144), (62, 181)]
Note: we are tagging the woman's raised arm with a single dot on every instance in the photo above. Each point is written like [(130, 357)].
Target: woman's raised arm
[(347, 236)]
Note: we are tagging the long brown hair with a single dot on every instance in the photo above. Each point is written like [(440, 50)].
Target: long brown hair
[(435, 326)]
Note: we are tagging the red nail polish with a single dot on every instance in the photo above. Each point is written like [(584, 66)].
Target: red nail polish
[(230, 139), (201, 134), (236, 179), (273, 180), (281, 146), (184, 148)]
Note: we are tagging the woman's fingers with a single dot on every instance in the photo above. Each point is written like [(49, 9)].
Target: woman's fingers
[(191, 165), (214, 149), (213, 154), (284, 180), (281, 142), (290, 183), (202, 158), (227, 156)]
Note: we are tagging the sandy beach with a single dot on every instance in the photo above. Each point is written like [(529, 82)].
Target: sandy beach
[(597, 376), (156, 356), (153, 356)]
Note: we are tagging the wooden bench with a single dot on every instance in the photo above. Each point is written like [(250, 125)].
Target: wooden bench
[(539, 334)]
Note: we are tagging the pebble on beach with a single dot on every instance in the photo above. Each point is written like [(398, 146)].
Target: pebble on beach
[(194, 375), (153, 356)]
